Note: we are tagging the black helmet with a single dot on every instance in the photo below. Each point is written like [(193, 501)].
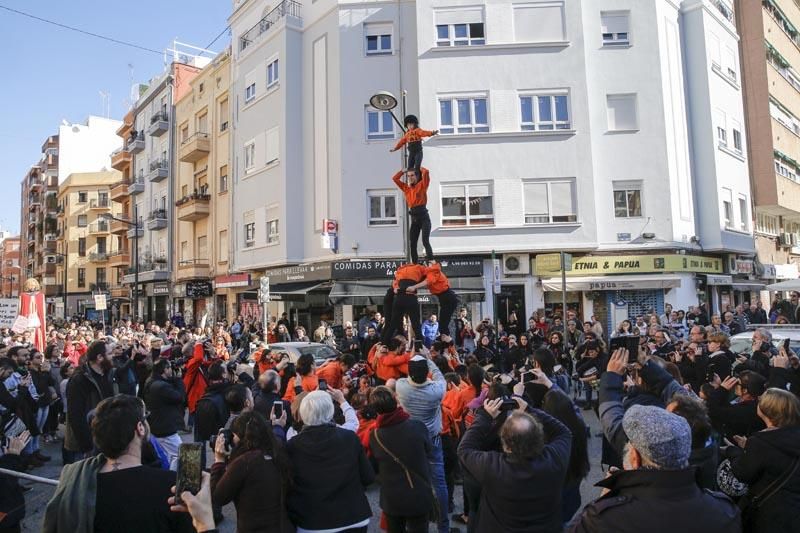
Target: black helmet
[(411, 119)]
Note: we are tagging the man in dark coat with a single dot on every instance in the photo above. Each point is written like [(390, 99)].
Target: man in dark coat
[(165, 398), (521, 486), (657, 491), (740, 418)]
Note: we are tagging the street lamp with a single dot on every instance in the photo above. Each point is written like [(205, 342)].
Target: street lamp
[(135, 225)]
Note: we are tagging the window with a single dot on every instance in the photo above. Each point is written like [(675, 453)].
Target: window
[(272, 145), (382, 208), (550, 202), (223, 115), (544, 112), (615, 29), (249, 224), (784, 116), (463, 115), (250, 155), (715, 52), (378, 39), (202, 247), (101, 245), (184, 251), (100, 277), (380, 124), (184, 133), (82, 246), (102, 199), (222, 249), (627, 202), (785, 170), (272, 73), (82, 221), (727, 208), (540, 22), (83, 197), (767, 224), (621, 112), (467, 205), (202, 123), (272, 231), (81, 277), (737, 141), (250, 92), (731, 65), (460, 34), (743, 216), (223, 178)]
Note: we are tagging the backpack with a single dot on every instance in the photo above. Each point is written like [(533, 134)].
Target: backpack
[(210, 415)]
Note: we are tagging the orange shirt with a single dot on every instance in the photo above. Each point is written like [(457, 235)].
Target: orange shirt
[(412, 135), (309, 383), (437, 281), (417, 194), (464, 397), (392, 366), (410, 271), (332, 373), (455, 402)]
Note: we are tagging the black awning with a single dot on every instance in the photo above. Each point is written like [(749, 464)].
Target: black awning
[(371, 292), (296, 292)]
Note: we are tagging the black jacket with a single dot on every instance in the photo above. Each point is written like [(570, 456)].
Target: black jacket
[(733, 419), (263, 403), (767, 455), (12, 501), (657, 501), (517, 496), (409, 442), (330, 472), (165, 398), (85, 390), (719, 363)]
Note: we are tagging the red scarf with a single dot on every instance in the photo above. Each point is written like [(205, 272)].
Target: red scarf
[(395, 417)]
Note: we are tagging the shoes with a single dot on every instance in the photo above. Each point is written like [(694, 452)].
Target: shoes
[(460, 518), (41, 457)]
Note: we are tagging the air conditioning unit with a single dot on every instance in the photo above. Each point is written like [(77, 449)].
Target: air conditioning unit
[(516, 264), (785, 239), (51, 259)]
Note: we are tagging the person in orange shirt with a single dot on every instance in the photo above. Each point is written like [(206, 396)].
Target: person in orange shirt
[(306, 379), (416, 193), (413, 139), (402, 303), (333, 371), (438, 284), (391, 361)]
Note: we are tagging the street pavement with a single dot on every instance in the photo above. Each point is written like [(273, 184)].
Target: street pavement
[(37, 498)]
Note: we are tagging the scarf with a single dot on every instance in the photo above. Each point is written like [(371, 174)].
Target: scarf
[(392, 419)]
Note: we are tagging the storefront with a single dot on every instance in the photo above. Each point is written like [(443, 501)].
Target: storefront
[(771, 273), (613, 288), (227, 289), (194, 300), (157, 306)]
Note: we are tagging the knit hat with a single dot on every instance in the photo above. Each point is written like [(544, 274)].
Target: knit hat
[(659, 436), (418, 369)]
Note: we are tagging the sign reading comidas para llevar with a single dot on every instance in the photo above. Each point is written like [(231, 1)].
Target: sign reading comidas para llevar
[(632, 264)]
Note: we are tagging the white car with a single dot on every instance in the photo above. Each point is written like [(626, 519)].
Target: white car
[(742, 342)]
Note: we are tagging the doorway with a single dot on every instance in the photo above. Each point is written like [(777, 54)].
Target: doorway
[(511, 299)]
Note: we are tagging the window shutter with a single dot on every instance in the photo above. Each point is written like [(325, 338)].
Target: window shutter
[(614, 23), (539, 23), (535, 198), (459, 16), (562, 200), (273, 146)]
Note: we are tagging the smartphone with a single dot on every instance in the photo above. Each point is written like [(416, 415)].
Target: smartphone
[(509, 404), (630, 343), (322, 385), (190, 469), (277, 407), (227, 437), (528, 376), (786, 345), (418, 345)]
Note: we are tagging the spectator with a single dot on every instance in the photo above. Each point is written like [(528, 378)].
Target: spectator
[(402, 449), (657, 481), (742, 417), (12, 500), (430, 330), (165, 399), (705, 453), (114, 491), (211, 411), (330, 472)]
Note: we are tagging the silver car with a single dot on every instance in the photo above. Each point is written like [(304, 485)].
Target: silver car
[(742, 342), (321, 352)]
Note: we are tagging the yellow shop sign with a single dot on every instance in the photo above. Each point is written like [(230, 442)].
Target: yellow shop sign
[(630, 264)]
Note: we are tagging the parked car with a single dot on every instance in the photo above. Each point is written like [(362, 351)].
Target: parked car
[(742, 342), (321, 352)]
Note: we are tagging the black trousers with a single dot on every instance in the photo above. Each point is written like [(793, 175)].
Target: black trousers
[(388, 302), (407, 524), (404, 304), (450, 456), (414, 155), (448, 301), (420, 225)]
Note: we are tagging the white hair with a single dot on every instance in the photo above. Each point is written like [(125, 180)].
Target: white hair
[(316, 409)]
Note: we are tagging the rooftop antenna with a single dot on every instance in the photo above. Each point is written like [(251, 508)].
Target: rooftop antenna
[(106, 104)]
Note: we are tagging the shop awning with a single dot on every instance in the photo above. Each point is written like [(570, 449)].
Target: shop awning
[(788, 285), (747, 286), (371, 292), (613, 283), (296, 292)]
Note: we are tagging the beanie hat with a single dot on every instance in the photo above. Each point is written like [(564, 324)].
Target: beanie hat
[(411, 118), (661, 437), (418, 369)]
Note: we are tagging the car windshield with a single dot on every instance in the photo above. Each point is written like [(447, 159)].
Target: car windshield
[(319, 352)]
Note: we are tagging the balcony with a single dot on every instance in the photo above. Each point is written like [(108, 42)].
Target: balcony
[(35, 184), (50, 247), (195, 147), (98, 257), (193, 207), (120, 158), (98, 228), (119, 292), (157, 220), (60, 211), (193, 268), (99, 203), (136, 142), (51, 291), (119, 259), (51, 143), (725, 9), (35, 203), (48, 269), (287, 8), (159, 170), (159, 123), (119, 191), (136, 186), (149, 271), (132, 232), (119, 227)]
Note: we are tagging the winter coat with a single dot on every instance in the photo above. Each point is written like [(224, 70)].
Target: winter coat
[(733, 419), (330, 473), (657, 501), (767, 456), (165, 399), (84, 391)]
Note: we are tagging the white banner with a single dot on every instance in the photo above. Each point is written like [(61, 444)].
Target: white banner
[(8, 311)]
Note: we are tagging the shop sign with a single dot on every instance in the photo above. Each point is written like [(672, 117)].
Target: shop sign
[(719, 280), (456, 267), (161, 289), (630, 264), (198, 289), (743, 266), (232, 280), (293, 274), (788, 271), (8, 311), (770, 272)]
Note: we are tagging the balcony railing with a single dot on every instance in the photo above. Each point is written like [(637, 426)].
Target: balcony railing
[(100, 286), (195, 147), (287, 8), (98, 257), (159, 170), (136, 186), (159, 123), (101, 226), (726, 10), (136, 142), (161, 115), (99, 203), (157, 219)]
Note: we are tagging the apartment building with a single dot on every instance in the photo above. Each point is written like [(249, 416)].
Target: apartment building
[(202, 213), (770, 49), (612, 130), (9, 267), (85, 241), (153, 169)]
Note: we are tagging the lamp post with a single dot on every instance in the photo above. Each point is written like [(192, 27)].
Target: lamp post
[(386, 101), (135, 225)]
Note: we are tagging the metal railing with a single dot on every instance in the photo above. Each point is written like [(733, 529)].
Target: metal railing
[(196, 135), (725, 9), (157, 214), (99, 203), (161, 115), (289, 8), (160, 163)]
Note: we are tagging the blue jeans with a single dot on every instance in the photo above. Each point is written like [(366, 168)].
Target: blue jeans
[(41, 418), (440, 484)]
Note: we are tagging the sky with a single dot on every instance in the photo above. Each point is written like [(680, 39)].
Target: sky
[(51, 73)]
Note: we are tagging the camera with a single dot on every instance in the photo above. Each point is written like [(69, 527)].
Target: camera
[(226, 435), (509, 404)]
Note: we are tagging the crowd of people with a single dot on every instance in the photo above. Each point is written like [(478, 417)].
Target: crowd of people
[(691, 433)]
